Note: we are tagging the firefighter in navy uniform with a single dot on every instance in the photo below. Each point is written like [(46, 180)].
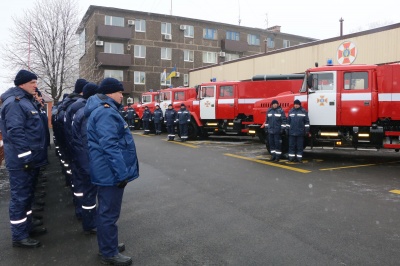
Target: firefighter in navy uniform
[(183, 119), (83, 187), (131, 115), (146, 119), (170, 121), (68, 115), (158, 118), (113, 163), (298, 126), (275, 124), (24, 143)]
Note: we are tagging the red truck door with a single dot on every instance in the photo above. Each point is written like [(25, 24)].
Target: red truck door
[(226, 102), (356, 99)]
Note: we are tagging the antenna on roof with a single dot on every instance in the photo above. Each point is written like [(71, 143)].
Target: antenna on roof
[(239, 12), (171, 8)]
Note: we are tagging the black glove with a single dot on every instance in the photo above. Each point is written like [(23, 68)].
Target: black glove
[(306, 133), (122, 184), (29, 166)]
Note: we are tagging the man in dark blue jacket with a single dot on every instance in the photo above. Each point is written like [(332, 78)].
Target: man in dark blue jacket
[(275, 124), (183, 118), (158, 119), (84, 190), (170, 121), (298, 125), (146, 119), (24, 143), (131, 115), (68, 115), (113, 163)]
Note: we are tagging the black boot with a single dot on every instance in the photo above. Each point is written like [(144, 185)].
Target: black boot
[(118, 259), (26, 243)]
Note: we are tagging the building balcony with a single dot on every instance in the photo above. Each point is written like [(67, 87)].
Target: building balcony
[(114, 32), (121, 60), (234, 46)]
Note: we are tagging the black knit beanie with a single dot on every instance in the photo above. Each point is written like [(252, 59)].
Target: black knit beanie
[(24, 76)]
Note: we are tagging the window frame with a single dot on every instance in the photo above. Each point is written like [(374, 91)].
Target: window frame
[(110, 45), (253, 39), (187, 57), (189, 33), (116, 76), (142, 25), (166, 49), (166, 26), (208, 31), (140, 47), (111, 23), (234, 34), (208, 54), (139, 78)]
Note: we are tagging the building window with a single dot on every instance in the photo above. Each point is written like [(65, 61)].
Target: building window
[(117, 74), (210, 34), (286, 43), (82, 43), (164, 81), (166, 53), (270, 43), (210, 57), (189, 32), (114, 21), (139, 77), (188, 56), (232, 35), (140, 51), (140, 25), (185, 79), (229, 57), (113, 48), (253, 39), (165, 28)]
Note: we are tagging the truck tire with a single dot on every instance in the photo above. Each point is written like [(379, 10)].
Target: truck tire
[(192, 128)]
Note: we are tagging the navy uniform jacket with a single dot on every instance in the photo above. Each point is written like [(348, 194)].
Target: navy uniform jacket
[(112, 150), (298, 122), (79, 136), (158, 116), (24, 134), (275, 121), (183, 116), (170, 117), (131, 113), (147, 115)]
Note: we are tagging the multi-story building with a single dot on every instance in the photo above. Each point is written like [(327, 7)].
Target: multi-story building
[(141, 49)]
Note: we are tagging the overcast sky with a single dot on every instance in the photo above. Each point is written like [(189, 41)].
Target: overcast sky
[(313, 18)]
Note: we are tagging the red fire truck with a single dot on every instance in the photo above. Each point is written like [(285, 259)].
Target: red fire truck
[(227, 107), (175, 95), (354, 106)]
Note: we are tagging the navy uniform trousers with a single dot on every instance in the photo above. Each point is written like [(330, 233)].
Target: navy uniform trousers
[(108, 211), (21, 187)]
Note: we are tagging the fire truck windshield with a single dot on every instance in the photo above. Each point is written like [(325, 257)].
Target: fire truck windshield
[(146, 98), (165, 96)]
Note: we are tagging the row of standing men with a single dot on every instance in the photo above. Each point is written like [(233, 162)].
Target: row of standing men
[(170, 118), (98, 157)]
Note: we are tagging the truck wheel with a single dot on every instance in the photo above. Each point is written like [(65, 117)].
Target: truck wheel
[(261, 135), (192, 128)]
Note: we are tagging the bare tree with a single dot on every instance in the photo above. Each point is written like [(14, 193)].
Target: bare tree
[(44, 41)]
